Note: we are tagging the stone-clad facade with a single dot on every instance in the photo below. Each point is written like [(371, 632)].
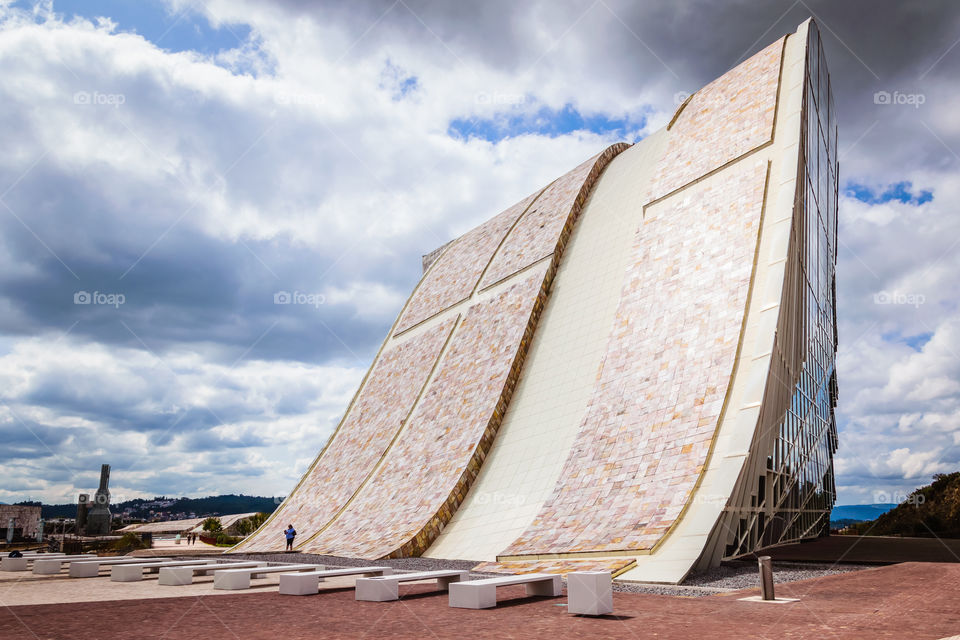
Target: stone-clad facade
[(729, 117), (455, 273), (651, 420), (364, 469), (403, 507), (356, 447), (651, 395), (536, 234)]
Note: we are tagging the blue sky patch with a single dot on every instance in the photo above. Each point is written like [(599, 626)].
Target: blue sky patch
[(915, 342), (918, 341), (397, 81), (181, 31), (899, 191), (545, 121)]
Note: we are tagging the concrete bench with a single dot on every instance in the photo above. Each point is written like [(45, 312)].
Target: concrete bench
[(13, 564), (590, 593), (91, 568), (308, 582), (240, 578), (53, 564), (179, 576), (134, 572), (388, 587), (482, 594), (22, 564)]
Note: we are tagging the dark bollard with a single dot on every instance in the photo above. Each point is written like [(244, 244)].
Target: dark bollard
[(766, 577)]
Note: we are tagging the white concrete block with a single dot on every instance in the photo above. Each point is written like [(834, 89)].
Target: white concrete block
[(482, 594), (231, 579), (549, 588), (13, 564), (590, 593), (84, 569), (463, 595), (299, 584), (46, 567), (126, 573), (176, 576), (377, 589)]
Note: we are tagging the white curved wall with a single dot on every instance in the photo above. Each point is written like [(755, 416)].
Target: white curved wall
[(558, 377)]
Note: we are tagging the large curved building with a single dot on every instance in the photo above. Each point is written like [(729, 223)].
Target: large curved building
[(631, 369)]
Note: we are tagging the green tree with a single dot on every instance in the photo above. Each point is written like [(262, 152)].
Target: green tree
[(257, 520), (212, 525), (243, 526)]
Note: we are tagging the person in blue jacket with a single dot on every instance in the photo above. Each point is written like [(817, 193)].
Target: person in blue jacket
[(291, 533)]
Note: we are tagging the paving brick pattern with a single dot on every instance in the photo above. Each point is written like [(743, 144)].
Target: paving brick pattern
[(727, 118), (649, 425), (550, 219), (562, 566), (371, 424), (458, 269), (429, 468), (892, 603)]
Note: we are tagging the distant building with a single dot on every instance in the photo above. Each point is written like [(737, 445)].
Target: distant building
[(26, 520)]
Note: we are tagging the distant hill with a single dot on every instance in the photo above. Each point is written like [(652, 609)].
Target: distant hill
[(933, 510), (173, 508), (859, 512), (843, 523)]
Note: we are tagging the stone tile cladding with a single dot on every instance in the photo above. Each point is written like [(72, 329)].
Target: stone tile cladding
[(563, 566), (550, 219), (455, 273), (395, 381), (727, 118), (431, 465), (660, 389)]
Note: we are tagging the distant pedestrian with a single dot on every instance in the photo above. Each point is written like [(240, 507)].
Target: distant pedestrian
[(291, 533)]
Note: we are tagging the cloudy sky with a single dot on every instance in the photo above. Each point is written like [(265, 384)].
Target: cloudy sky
[(168, 167)]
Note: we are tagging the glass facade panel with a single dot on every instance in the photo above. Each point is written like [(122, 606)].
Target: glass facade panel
[(802, 507), (798, 488)]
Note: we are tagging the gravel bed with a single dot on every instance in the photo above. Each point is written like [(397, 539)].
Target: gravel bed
[(665, 589), (744, 574), (400, 564)]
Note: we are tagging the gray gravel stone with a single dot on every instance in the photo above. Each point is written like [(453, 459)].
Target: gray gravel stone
[(743, 574)]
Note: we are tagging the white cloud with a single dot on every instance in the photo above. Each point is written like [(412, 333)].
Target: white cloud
[(122, 151), (209, 423), (297, 162)]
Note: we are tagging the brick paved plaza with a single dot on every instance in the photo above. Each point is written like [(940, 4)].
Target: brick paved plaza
[(911, 600)]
